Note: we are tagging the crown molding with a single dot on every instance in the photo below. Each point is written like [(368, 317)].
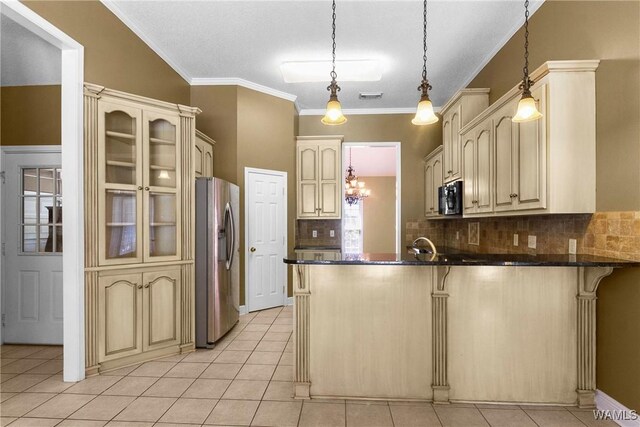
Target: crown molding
[(113, 7), (532, 10), (235, 81), (363, 111)]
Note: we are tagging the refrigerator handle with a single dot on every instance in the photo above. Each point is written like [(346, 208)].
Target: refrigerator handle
[(228, 214)]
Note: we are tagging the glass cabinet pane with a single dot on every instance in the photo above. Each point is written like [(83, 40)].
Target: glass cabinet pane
[(162, 224), (162, 154), (120, 232), (120, 148)]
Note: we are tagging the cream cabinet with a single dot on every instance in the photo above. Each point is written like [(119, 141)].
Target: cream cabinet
[(537, 167), (137, 312), (319, 177), (139, 228), (433, 178), (203, 155), (457, 112), (477, 150)]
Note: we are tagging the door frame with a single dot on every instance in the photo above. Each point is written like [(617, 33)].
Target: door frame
[(72, 117), (398, 147), (4, 151), (247, 172)]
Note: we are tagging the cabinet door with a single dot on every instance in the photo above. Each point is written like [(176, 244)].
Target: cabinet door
[(208, 160), (484, 196), (119, 316), (428, 188), (532, 159), (453, 171), (469, 172), (161, 307), (330, 180), (120, 179), (307, 174), (162, 187), (438, 170), (198, 159), (505, 132), (447, 145)]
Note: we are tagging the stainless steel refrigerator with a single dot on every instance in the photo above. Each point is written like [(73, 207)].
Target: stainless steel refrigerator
[(217, 263)]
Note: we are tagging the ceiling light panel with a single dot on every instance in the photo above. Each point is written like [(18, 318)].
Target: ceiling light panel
[(362, 70)]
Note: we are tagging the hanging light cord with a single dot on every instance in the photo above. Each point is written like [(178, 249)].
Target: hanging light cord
[(526, 81), (424, 87), (333, 86)]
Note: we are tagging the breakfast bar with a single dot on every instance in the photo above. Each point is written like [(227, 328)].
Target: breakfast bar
[(451, 327)]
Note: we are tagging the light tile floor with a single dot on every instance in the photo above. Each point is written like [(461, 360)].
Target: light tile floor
[(246, 380)]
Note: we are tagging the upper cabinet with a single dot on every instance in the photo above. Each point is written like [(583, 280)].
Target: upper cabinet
[(319, 177), (542, 166), (433, 176), (203, 155), (456, 113)]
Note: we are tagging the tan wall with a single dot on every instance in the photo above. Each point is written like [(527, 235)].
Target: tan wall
[(379, 214), (251, 129), (416, 142), (609, 31), (30, 115), (113, 55)]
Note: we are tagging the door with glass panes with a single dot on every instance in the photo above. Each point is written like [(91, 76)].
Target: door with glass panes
[(32, 246), (138, 180)]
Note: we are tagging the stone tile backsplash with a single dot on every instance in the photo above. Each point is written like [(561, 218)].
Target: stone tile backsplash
[(611, 234), (304, 232)]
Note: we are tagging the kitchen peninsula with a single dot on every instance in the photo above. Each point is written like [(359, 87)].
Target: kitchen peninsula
[(457, 327)]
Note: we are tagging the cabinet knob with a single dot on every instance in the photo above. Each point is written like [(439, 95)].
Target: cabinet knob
[(146, 188), (449, 172), (139, 286), (252, 249), (513, 195), (146, 285), (139, 187)]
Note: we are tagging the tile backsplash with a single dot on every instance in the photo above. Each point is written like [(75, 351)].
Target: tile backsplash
[(304, 232), (611, 234)]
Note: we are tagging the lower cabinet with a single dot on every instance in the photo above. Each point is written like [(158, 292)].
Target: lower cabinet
[(138, 312)]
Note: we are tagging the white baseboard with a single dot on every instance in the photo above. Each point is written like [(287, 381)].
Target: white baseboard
[(604, 402), (244, 309)]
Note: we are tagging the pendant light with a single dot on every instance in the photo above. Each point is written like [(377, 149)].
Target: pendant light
[(354, 190), (334, 115), (424, 113), (527, 109)]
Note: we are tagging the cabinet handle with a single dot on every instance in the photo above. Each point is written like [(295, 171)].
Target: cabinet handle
[(513, 195), (146, 286), (139, 187), (146, 188)]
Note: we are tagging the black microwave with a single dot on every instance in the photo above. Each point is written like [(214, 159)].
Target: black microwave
[(450, 198)]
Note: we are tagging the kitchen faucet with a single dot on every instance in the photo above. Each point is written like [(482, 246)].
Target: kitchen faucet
[(433, 247)]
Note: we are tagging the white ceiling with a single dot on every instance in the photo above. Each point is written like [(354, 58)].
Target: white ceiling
[(371, 161), (25, 58), (250, 39)]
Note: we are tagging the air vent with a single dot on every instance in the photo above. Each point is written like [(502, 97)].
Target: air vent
[(370, 95)]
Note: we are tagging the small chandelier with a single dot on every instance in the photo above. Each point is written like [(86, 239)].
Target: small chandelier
[(424, 113), (354, 190), (334, 115), (527, 109)]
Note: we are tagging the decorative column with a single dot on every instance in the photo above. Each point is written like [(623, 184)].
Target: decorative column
[(588, 280), (301, 293), (439, 324), (91, 97)]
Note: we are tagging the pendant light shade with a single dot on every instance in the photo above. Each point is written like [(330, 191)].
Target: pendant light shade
[(333, 115), (424, 114), (527, 108)]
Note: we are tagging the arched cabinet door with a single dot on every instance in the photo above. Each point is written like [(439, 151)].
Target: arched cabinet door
[(120, 316), (161, 309)]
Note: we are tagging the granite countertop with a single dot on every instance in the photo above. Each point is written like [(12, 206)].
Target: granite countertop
[(317, 248), (455, 257)]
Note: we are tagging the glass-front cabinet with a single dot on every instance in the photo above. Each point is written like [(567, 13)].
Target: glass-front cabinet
[(138, 182)]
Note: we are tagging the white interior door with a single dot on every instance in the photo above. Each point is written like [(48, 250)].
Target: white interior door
[(32, 242), (266, 238)]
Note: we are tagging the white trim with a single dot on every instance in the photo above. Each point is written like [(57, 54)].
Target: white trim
[(533, 7), (247, 171), (360, 111), (243, 310), (398, 147), (604, 402), (289, 301), (115, 9), (236, 81), (30, 149), (72, 166)]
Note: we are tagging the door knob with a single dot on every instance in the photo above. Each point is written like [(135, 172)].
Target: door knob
[(252, 249)]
